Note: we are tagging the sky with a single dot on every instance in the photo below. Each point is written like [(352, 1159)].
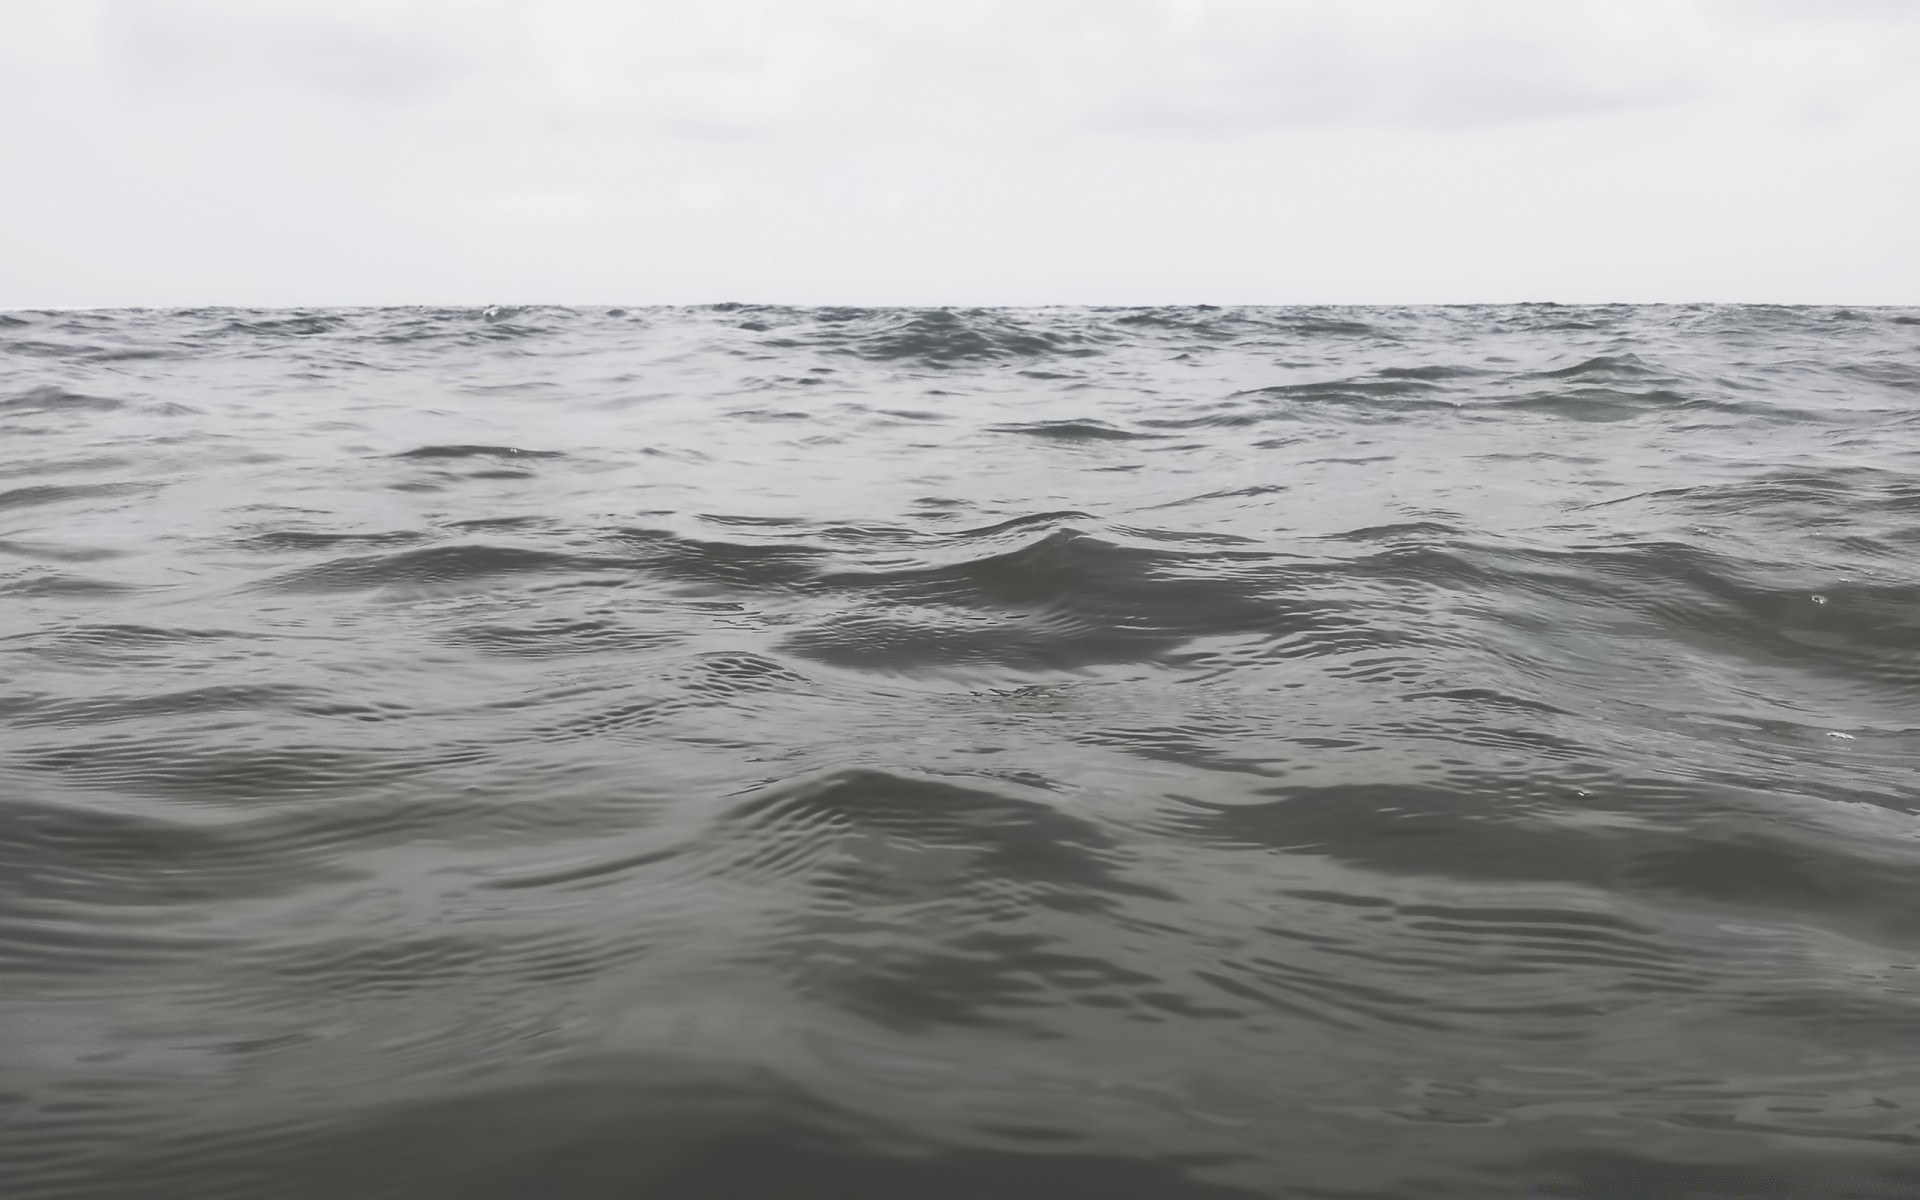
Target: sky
[(301, 152)]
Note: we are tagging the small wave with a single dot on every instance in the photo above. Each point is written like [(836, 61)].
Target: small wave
[(1319, 325), (48, 398), (864, 837), (1252, 491), (39, 349), (94, 856), (169, 767), (1360, 399), (1044, 521), (1228, 415), (466, 451), (1210, 327), (1493, 698), (1065, 601), (1601, 404), (940, 336), (466, 563), (1419, 531), (707, 563), (53, 552), (315, 539), (108, 643), (99, 710), (1362, 389), (558, 636), (41, 582), (1607, 368), (41, 495), (301, 325), (1434, 373), (1076, 431)]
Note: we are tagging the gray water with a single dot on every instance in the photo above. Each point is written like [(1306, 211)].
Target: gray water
[(746, 752)]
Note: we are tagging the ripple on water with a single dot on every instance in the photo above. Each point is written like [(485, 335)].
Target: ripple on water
[(1182, 752)]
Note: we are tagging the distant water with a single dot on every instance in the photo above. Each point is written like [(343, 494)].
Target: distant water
[(1174, 754)]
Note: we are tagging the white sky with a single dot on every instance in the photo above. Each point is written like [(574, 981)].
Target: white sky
[(958, 151)]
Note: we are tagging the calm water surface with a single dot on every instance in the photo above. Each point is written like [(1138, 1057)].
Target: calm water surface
[(1198, 754)]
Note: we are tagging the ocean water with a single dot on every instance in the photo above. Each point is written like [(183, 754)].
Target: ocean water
[(754, 752)]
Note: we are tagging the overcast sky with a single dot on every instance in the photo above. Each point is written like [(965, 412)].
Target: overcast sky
[(163, 152)]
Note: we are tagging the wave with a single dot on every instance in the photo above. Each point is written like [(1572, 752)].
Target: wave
[(933, 338), (299, 325), (465, 451), (457, 564), (1076, 431), (50, 399), (1069, 599), (37, 495)]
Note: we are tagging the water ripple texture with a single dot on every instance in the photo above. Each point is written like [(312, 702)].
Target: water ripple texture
[(1180, 753)]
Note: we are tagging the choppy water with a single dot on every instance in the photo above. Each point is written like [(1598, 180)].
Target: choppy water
[(747, 752)]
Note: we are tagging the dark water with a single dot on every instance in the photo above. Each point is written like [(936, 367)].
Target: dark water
[(764, 753)]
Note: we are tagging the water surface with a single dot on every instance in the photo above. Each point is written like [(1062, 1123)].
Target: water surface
[(1197, 754)]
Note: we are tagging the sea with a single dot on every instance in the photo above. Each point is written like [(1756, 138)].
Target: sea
[(752, 753)]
